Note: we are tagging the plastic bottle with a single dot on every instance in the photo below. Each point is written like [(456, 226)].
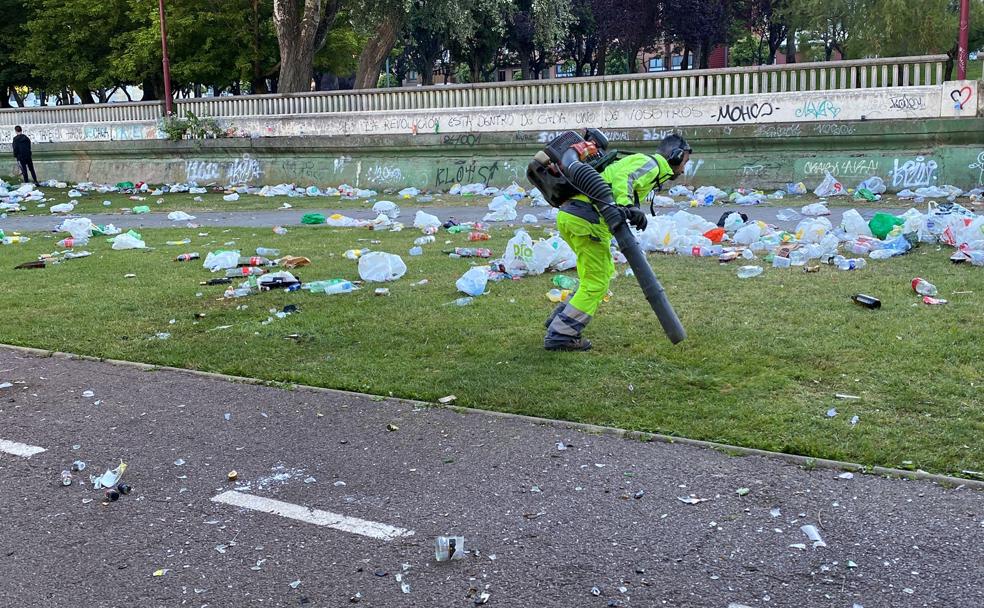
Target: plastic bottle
[(355, 254), (478, 236), (245, 271), (866, 301), (747, 272), (217, 281), (748, 254), (253, 261), (424, 240), (464, 301), (882, 254), (565, 282), (781, 262), (558, 295), (924, 287), (416, 250), (279, 230), (472, 252), (72, 242), (181, 242), (852, 264), (11, 240), (267, 252), (340, 287), (66, 478), (187, 257)]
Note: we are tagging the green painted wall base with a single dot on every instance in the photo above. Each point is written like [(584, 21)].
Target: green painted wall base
[(906, 153)]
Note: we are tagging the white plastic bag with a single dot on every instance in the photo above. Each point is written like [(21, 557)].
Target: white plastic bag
[(830, 187), (815, 209), (748, 234), (733, 222), (505, 213), (78, 227), (812, 230), (389, 208), (875, 184), (426, 220), (221, 260), (473, 282), (519, 252), (377, 267), (529, 218), (854, 224), (62, 208), (125, 241), (231, 197), (179, 216)]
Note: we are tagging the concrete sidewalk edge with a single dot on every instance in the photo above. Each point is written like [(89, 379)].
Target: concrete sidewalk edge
[(795, 459)]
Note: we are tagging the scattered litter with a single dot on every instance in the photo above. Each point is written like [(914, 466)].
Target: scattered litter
[(448, 548), (295, 584), (161, 571), (814, 535), (846, 475), (691, 500), (446, 400), (742, 491), (831, 412), (843, 396)]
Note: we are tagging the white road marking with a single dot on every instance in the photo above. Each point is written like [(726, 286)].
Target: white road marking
[(19, 449), (317, 517)]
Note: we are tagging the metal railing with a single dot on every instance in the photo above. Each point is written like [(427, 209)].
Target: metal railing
[(818, 76)]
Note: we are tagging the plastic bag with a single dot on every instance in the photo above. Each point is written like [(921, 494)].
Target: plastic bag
[(882, 223), (750, 199), (231, 197), (504, 213), (62, 208), (830, 187), (733, 222), (529, 218), (389, 208), (815, 209), (313, 218), (812, 230), (378, 266), (78, 227), (519, 253), (221, 260), (179, 216), (748, 234), (409, 192), (426, 220), (473, 282), (681, 190), (336, 220), (797, 188), (874, 184), (663, 201), (854, 224), (127, 241)]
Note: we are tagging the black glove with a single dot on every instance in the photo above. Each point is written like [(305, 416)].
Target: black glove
[(634, 216)]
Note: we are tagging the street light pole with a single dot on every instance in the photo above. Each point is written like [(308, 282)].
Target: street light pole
[(963, 39), (168, 102)]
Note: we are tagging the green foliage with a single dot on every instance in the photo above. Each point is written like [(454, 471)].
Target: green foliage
[(192, 127), (69, 43), (340, 55)]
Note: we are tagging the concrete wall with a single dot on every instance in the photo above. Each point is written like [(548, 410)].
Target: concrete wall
[(951, 99), (906, 153)]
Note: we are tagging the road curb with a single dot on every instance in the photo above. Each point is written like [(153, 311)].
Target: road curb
[(795, 459)]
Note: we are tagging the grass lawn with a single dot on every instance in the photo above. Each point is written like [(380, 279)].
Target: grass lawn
[(760, 368), (92, 202)]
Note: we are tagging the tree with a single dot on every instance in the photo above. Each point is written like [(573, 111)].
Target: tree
[(302, 29), (389, 17), (770, 19), (68, 45), (699, 24), (12, 33), (582, 37), (535, 32), (640, 27)]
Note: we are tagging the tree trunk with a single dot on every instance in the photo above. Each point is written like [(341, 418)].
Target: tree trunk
[(150, 90), (791, 45), (427, 74), (684, 59), (5, 96), (524, 64), (705, 53), (377, 48), (602, 58), (85, 95), (667, 56), (300, 36)]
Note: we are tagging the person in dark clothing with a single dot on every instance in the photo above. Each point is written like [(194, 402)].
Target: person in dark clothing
[(22, 152)]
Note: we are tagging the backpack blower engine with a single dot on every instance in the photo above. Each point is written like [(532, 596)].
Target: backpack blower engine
[(569, 165)]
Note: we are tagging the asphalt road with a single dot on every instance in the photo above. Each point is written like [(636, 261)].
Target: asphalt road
[(288, 217), (542, 526)]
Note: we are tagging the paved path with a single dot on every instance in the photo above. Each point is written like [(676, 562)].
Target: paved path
[(293, 216), (327, 498)]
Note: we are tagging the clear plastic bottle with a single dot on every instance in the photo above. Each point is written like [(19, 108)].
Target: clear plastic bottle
[(797, 257), (279, 230), (747, 272), (72, 242), (340, 287), (417, 250), (245, 271), (882, 254), (781, 262), (924, 287), (464, 301), (748, 254), (267, 252), (424, 240)]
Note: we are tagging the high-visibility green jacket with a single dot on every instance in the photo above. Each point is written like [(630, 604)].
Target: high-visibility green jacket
[(632, 178)]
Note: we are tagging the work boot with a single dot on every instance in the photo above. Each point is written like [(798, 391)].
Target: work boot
[(573, 345), (564, 331), (556, 311)]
